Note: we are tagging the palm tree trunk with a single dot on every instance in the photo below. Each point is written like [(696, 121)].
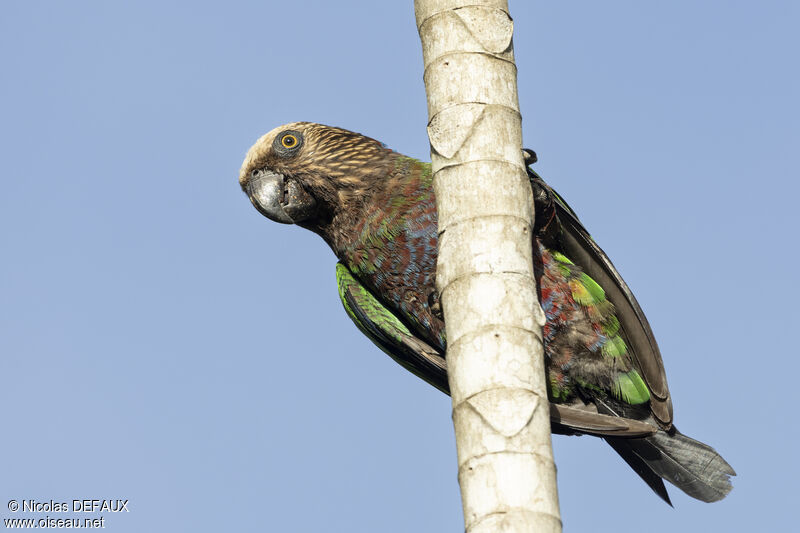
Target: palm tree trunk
[(485, 270)]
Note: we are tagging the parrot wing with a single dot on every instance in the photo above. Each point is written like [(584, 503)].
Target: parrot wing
[(388, 332), (391, 335), (575, 242)]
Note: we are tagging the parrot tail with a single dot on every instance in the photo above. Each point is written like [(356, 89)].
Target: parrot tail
[(695, 468)]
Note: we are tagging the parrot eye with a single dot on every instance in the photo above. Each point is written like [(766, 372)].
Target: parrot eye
[(287, 143), (288, 140)]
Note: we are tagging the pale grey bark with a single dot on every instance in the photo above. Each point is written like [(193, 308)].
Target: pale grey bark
[(485, 270)]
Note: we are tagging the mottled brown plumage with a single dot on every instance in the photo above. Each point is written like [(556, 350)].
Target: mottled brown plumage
[(342, 169)]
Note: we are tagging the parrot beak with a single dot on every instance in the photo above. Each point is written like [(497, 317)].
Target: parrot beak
[(278, 198)]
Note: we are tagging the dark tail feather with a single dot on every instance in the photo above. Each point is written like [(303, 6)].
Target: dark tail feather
[(652, 479), (695, 468)]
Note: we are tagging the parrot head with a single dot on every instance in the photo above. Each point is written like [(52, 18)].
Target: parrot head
[(304, 173)]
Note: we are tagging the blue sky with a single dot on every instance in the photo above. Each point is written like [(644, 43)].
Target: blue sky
[(163, 343)]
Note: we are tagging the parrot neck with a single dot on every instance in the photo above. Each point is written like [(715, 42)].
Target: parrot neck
[(380, 209)]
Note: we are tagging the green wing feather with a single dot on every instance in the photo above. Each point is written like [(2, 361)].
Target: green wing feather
[(388, 332)]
